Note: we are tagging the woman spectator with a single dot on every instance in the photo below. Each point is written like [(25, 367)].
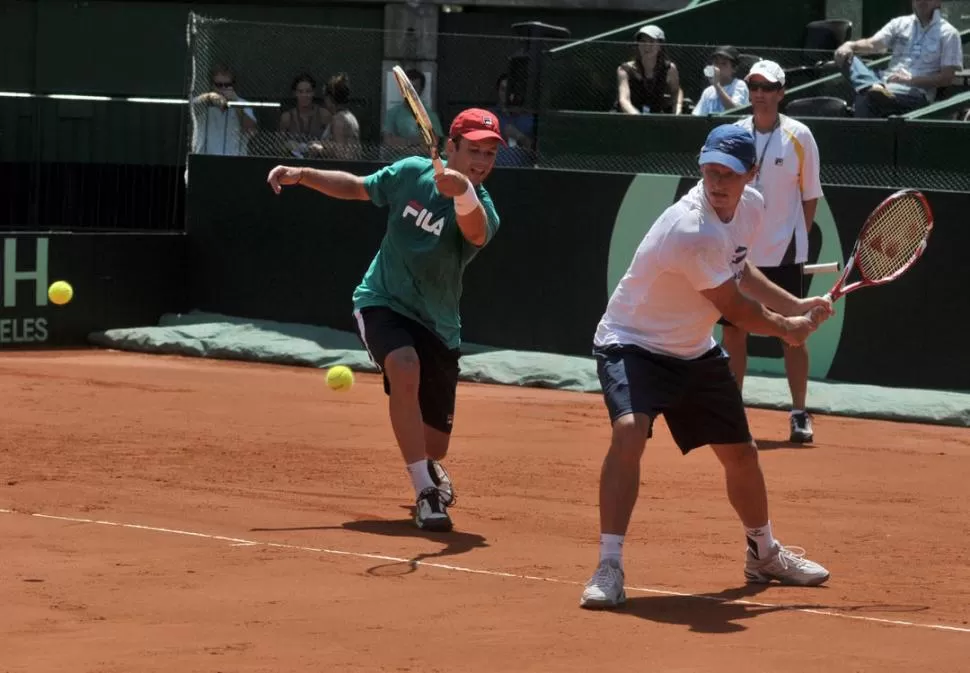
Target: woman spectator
[(307, 121), (650, 83), (341, 140)]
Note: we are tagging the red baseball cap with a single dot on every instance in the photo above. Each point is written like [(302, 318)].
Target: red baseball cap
[(476, 124)]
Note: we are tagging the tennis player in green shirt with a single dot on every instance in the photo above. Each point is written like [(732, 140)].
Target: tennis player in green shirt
[(406, 306)]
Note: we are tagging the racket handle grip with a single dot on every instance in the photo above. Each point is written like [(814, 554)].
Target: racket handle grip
[(439, 167), (815, 312)]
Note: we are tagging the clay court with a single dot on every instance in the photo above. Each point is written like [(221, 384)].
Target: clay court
[(175, 514)]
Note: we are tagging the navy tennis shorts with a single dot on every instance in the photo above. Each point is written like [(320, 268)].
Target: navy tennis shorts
[(383, 331), (790, 277), (698, 398)]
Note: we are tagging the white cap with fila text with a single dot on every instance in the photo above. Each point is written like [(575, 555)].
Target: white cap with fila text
[(769, 70)]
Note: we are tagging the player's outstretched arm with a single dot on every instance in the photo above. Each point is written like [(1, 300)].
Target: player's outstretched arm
[(752, 316), (758, 287), (338, 184), (469, 211)]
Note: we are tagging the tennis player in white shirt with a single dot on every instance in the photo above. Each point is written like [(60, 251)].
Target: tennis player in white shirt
[(656, 354)]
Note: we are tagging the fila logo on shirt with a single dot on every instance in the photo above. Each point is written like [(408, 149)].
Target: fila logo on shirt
[(423, 215)]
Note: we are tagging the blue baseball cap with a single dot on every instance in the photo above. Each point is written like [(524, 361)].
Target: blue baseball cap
[(731, 146)]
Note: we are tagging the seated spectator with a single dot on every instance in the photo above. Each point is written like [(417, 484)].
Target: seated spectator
[(926, 53), (518, 127), (341, 140), (307, 120), (218, 128), (650, 83), (400, 128), (726, 91)]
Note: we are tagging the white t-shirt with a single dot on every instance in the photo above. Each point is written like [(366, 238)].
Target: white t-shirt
[(658, 304), (921, 51), (218, 131), (710, 102), (789, 175)]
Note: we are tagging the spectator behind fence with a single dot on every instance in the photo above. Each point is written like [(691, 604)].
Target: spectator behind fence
[(341, 140), (400, 129), (726, 91), (518, 127), (926, 53), (218, 128), (650, 83), (306, 121)]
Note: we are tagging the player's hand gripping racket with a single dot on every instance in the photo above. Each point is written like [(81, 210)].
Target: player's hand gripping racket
[(893, 237), (413, 101)]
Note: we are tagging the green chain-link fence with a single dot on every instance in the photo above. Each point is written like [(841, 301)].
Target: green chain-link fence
[(566, 105)]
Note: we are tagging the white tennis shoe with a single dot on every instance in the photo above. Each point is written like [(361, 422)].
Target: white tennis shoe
[(605, 588), (441, 479), (430, 513), (785, 565)]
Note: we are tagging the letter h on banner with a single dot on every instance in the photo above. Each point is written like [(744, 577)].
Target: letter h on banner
[(11, 275)]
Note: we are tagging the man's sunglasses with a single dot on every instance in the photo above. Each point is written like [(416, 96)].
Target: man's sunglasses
[(223, 85), (764, 86)]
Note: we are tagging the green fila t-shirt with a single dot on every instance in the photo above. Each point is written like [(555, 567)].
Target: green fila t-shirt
[(418, 269)]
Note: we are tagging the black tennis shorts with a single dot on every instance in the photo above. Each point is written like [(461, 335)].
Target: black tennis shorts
[(790, 277), (383, 331), (698, 398)]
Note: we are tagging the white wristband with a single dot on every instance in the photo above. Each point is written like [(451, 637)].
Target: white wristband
[(467, 202)]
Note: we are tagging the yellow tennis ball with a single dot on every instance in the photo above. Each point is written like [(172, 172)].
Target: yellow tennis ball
[(60, 292), (340, 378)]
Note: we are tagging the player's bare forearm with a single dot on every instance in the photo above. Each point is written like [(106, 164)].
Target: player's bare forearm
[(474, 226), (753, 317), (809, 207), (338, 184), (755, 285)]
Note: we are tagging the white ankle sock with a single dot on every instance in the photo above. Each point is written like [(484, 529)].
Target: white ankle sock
[(760, 540), (420, 476), (611, 547), (797, 411)]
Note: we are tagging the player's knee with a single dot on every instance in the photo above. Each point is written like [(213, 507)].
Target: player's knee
[(403, 370), (630, 434), (740, 456)]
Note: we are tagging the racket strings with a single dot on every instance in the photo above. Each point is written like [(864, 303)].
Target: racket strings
[(420, 114), (421, 117), (893, 238)]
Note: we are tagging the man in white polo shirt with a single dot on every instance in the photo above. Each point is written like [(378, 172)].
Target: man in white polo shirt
[(656, 355), (926, 53), (788, 179)]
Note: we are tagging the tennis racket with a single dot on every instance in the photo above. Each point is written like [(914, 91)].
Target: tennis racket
[(893, 237), (413, 101)]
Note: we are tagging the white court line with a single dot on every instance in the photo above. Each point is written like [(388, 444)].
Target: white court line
[(239, 542)]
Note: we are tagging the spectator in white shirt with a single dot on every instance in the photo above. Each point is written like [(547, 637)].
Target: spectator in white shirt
[(788, 179), (726, 91), (218, 127), (926, 54)]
